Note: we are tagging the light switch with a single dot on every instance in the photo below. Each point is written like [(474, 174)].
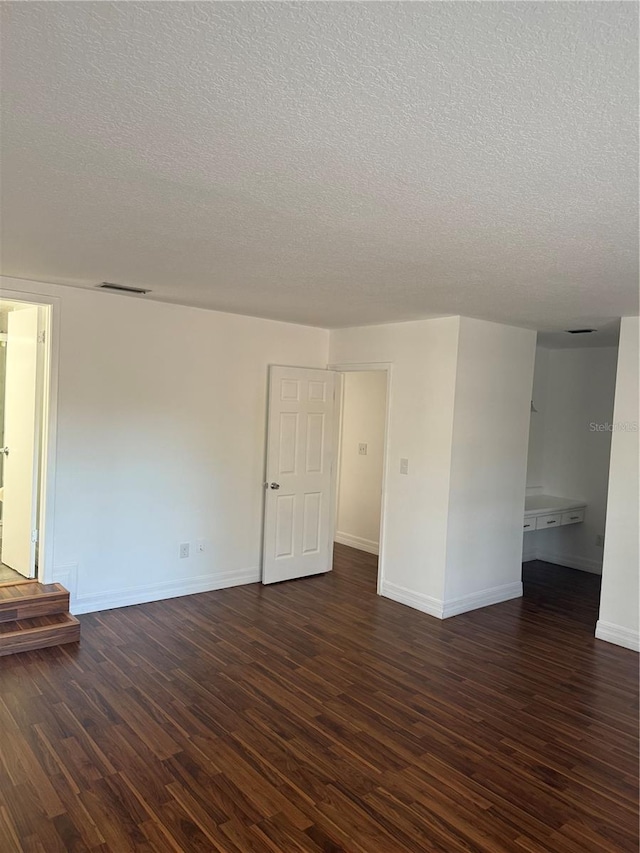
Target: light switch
[(362, 449), (404, 466)]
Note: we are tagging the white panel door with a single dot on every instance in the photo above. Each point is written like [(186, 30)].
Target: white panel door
[(300, 474), (20, 480)]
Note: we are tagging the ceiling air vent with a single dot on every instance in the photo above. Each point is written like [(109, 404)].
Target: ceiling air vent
[(580, 331), (121, 288)]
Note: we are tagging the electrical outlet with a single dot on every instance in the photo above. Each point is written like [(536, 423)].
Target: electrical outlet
[(600, 540), (201, 546), (362, 449), (184, 550), (404, 466)]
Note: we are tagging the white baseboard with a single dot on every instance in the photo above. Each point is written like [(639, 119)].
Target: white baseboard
[(91, 602), (571, 561), (358, 542), (417, 600), (453, 607), (483, 598), (611, 633)]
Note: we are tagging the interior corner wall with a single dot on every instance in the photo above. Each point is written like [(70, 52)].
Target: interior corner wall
[(160, 440), (618, 621), (364, 409), (423, 356), (488, 465)]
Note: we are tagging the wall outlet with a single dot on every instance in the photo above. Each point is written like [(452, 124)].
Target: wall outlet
[(600, 540), (404, 466), (184, 550), (201, 546), (362, 449)]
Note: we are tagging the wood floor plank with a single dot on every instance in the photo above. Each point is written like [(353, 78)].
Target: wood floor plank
[(316, 717)]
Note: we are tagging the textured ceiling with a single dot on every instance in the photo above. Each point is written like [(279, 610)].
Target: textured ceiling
[(328, 163)]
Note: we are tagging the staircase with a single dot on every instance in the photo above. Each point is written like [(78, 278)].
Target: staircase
[(35, 616)]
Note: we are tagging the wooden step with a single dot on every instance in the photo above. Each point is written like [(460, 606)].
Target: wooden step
[(27, 600), (39, 632)]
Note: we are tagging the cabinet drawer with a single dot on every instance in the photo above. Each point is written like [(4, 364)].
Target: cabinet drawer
[(573, 516), (529, 524), (544, 521)]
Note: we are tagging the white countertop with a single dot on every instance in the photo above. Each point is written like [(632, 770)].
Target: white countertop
[(540, 504)]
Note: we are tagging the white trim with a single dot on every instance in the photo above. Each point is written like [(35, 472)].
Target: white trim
[(90, 602), (46, 519), (387, 366), (483, 598), (68, 577), (570, 561), (618, 635), (417, 600), (358, 542), (338, 399)]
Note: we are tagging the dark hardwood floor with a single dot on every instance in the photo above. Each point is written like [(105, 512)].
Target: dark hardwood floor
[(315, 716)]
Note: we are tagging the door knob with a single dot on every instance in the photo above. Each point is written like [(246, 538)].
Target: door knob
[(274, 486), (4, 450)]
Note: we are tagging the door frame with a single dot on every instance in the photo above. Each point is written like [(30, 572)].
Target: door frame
[(47, 461), (362, 367)]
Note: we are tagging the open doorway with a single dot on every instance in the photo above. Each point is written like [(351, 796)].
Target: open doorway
[(24, 382), (363, 414), (567, 477)]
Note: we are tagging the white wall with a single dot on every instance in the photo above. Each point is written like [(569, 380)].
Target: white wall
[(618, 619), (161, 440), (575, 390), (423, 357), (364, 406), (537, 422), (459, 411), (488, 465)]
